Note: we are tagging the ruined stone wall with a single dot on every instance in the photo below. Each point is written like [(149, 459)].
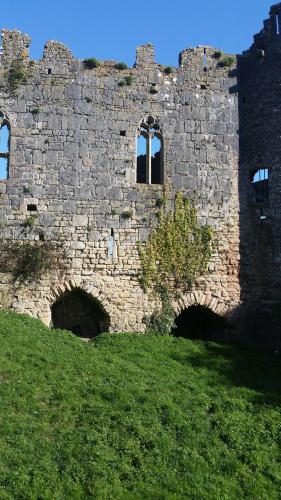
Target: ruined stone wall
[(73, 155)]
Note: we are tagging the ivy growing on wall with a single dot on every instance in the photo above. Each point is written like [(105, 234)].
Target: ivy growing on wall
[(28, 261), (178, 251)]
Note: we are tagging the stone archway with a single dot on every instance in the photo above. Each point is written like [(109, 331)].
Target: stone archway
[(201, 308), (199, 322), (80, 313)]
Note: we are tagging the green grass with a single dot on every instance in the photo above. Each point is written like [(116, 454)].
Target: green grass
[(135, 417)]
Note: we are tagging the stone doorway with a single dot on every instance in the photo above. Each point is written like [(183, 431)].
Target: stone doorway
[(80, 313), (199, 322)]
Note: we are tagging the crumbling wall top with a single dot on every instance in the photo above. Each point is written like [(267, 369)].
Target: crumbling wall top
[(268, 40), (145, 55), (275, 9), (15, 45), (55, 51)]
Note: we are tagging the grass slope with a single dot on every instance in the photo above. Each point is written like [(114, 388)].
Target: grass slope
[(129, 416)]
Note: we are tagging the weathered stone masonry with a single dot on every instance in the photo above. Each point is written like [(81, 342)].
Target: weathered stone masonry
[(75, 159)]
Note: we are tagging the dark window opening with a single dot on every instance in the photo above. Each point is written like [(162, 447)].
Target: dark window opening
[(4, 147), (259, 181), (32, 208), (49, 71), (41, 237), (123, 133), (199, 322), (81, 314)]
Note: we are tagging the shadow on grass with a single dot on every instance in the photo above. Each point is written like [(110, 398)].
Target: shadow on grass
[(241, 367)]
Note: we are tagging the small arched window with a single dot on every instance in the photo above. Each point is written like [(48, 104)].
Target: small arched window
[(4, 147), (150, 153)]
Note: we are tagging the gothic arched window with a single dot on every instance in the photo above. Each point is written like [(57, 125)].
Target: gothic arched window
[(150, 152), (4, 147)]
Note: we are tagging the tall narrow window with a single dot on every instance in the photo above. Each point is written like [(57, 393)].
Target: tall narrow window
[(4, 147), (277, 24), (205, 60), (111, 245), (149, 153)]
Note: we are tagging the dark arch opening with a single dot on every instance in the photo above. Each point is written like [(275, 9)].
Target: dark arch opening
[(199, 322), (81, 314)]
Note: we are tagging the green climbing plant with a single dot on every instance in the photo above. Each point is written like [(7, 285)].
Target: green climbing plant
[(178, 251), (162, 321), (29, 261)]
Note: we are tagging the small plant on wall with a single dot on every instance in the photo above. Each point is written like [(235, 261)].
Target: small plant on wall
[(17, 75), (121, 66), (91, 63), (27, 261), (226, 62)]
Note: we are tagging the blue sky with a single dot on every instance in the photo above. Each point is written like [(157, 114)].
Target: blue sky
[(111, 29)]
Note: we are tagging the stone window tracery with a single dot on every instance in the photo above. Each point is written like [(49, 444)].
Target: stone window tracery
[(150, 152), (4, 147)]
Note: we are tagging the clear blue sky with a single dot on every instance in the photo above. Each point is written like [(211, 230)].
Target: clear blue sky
[(111, 29)]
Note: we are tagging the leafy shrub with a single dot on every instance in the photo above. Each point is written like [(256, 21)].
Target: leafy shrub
[(91, 63), (160, 202), (17, 74), (29, 261), (168, 70), (30, 222), (88, 99), (128, 213), (217, 54), (35, 111), (128, 80), (121, 66), (178, 250), (226, 62)]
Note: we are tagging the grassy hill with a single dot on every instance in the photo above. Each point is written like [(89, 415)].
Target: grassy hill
[(133, 416)]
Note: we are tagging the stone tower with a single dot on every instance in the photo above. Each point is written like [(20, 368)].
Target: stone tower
[(260, 174)]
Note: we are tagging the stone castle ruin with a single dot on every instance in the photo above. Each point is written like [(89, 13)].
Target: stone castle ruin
[(86, 152)]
